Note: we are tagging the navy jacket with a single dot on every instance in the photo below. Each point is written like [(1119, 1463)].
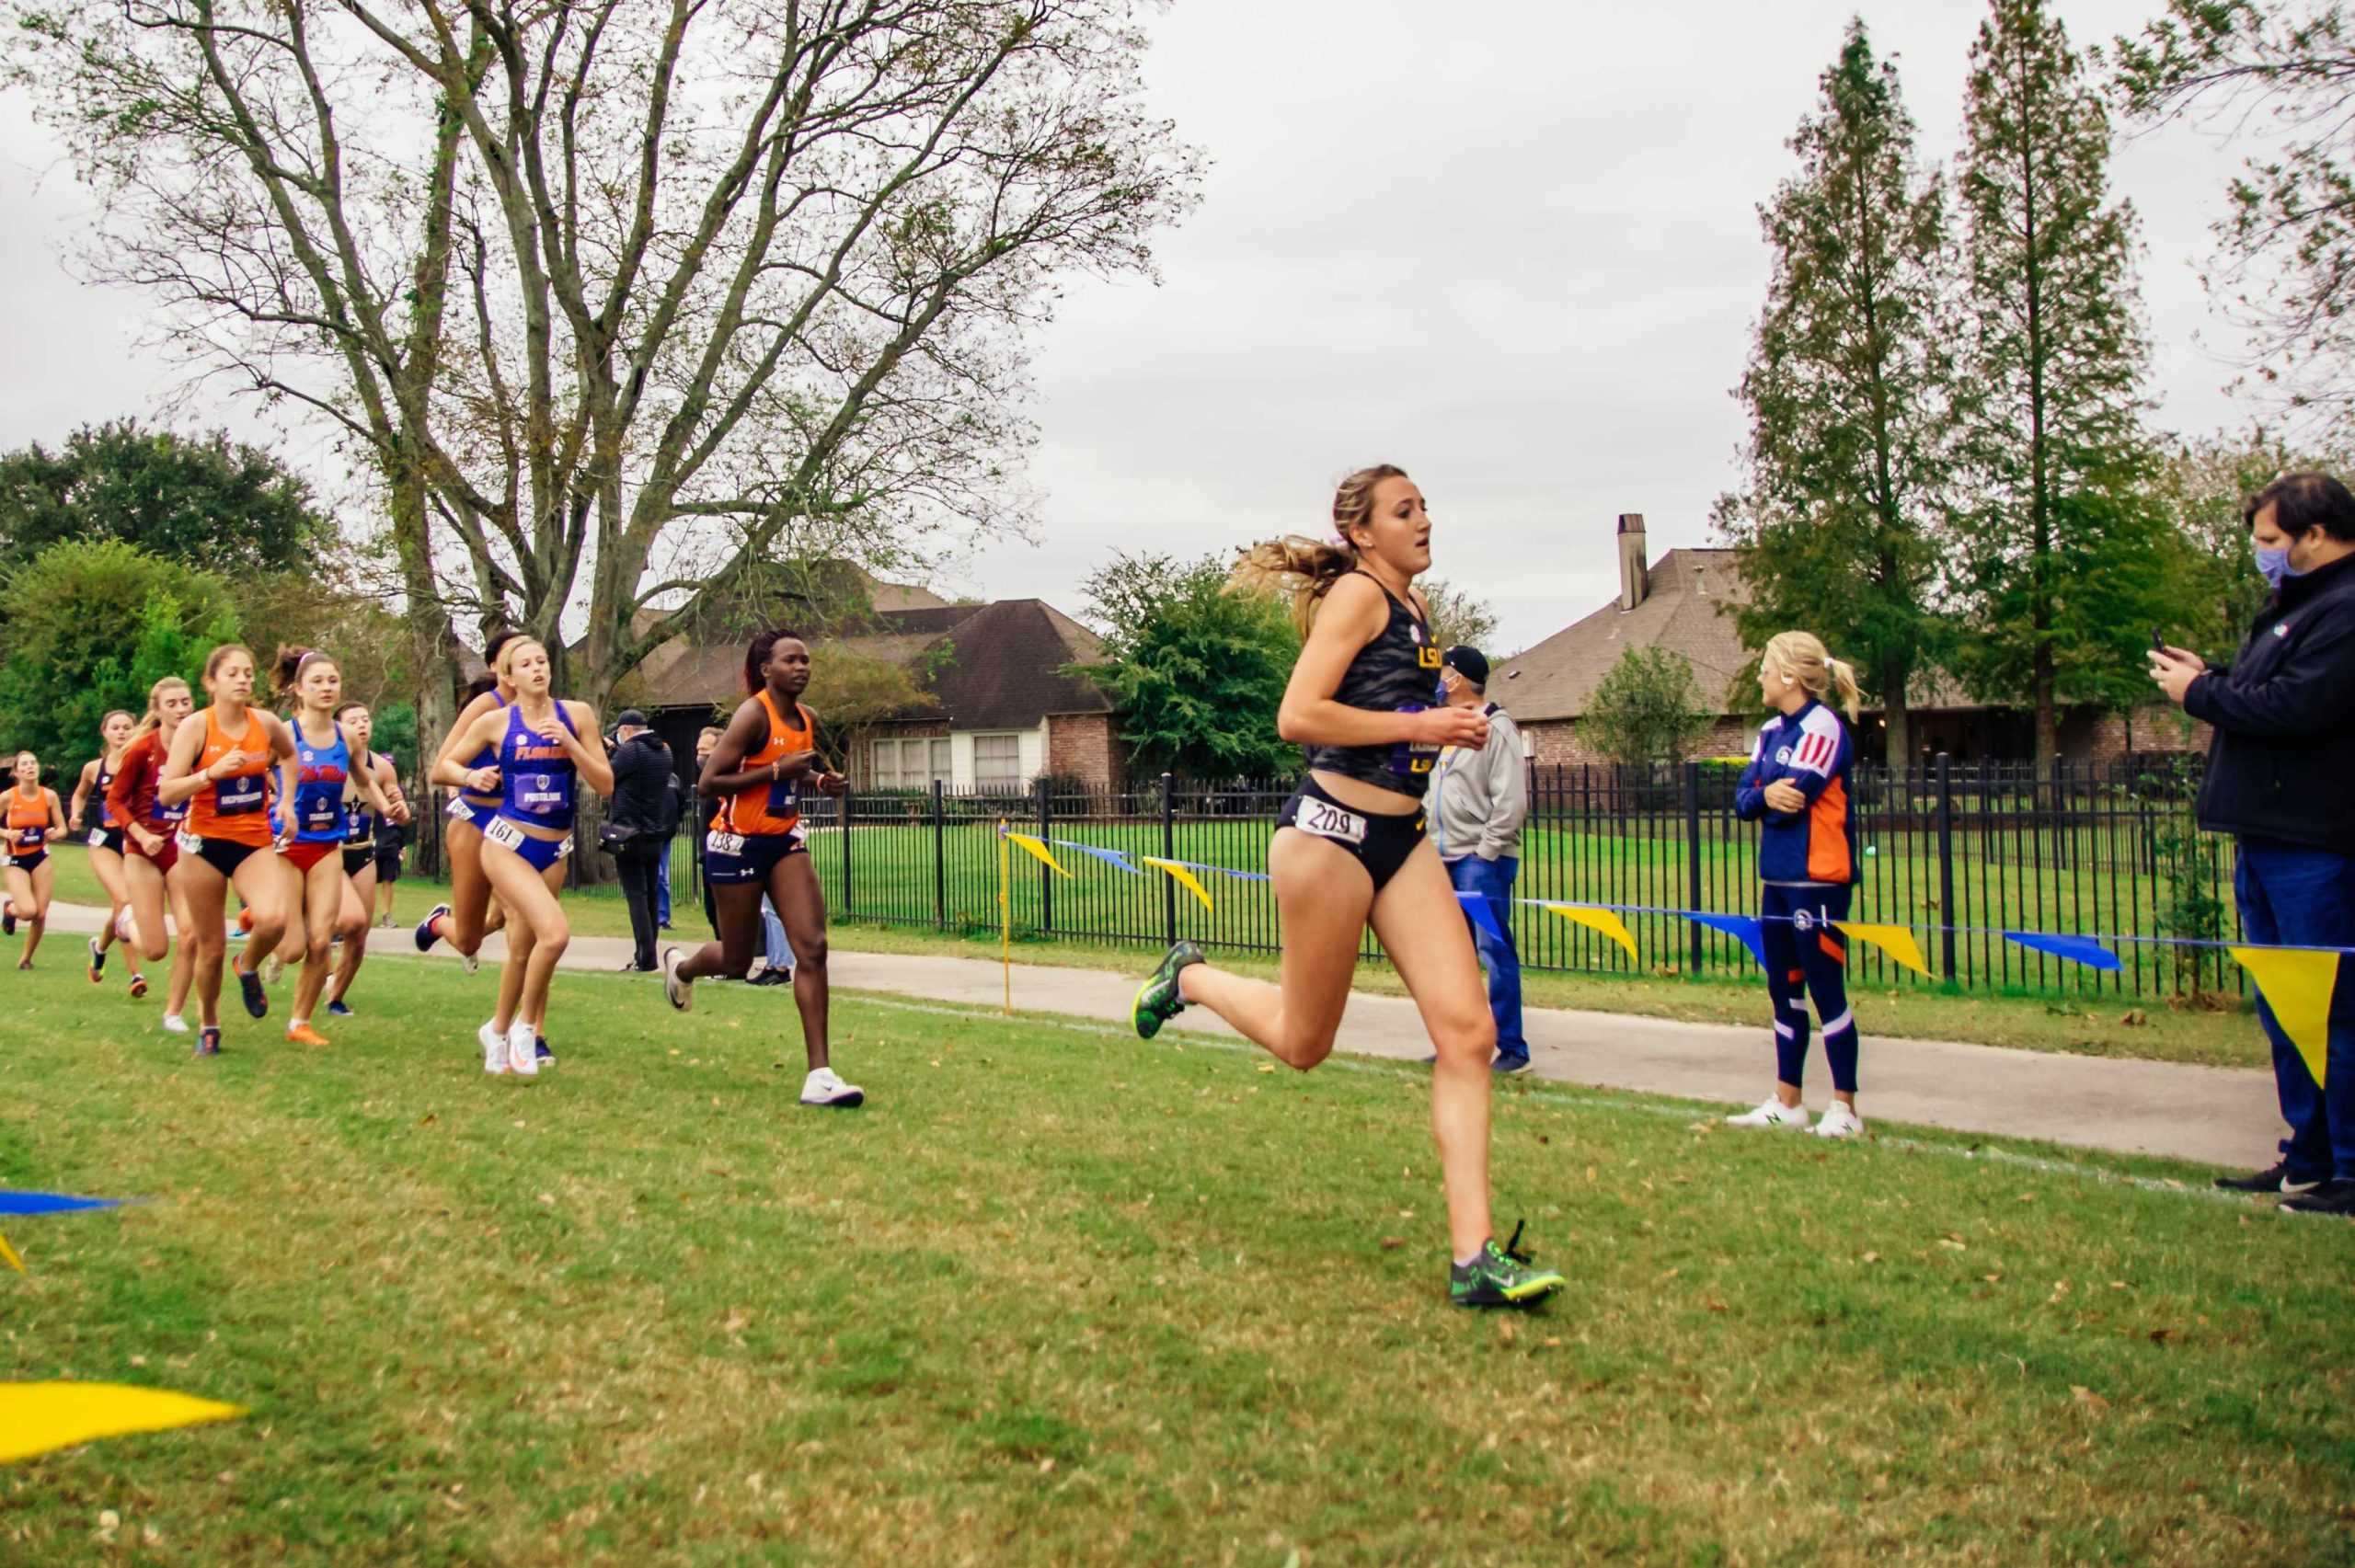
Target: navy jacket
[(2282, 763), (1813, 749)]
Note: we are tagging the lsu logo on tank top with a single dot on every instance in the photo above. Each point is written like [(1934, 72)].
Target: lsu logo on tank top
[(770, 807)]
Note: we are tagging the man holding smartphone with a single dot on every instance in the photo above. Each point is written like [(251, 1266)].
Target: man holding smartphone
[(2283, 713)]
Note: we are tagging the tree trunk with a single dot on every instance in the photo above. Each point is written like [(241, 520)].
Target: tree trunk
[(1897, 747), (591, 867), (2048, 716)]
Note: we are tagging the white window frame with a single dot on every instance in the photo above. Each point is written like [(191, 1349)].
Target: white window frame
[(989, 781)]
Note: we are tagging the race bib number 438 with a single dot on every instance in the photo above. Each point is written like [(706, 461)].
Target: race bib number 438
[(1330, 821), (718, 842)]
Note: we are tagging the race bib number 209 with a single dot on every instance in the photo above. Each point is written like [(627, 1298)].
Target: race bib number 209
[(1330, 821)]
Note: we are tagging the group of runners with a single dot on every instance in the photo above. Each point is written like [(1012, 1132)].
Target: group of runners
[(278, 805)]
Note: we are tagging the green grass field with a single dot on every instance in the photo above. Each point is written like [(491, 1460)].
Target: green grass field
[(1055, 1296)]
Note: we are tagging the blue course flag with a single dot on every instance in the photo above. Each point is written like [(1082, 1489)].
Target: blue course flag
[(2077, 949), (1109, 857), (1746, 927), (1477, 906), (49, 1203)]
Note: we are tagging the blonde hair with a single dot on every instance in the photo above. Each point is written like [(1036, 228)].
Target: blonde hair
[(1305, 570), (153, 720), (504, 663), (1801, 658)]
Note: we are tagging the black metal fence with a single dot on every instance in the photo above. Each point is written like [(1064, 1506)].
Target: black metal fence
[(1959, 852)]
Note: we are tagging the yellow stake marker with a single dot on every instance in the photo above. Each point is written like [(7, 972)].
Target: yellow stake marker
[(1005, 908), (8, 1255)]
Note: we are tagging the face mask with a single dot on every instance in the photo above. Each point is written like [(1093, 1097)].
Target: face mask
[(2275, 565)]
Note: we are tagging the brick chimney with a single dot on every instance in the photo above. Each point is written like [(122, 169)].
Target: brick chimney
[(1634, 582)]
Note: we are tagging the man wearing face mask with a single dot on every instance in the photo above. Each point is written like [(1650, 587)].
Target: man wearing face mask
[(2283, 713)]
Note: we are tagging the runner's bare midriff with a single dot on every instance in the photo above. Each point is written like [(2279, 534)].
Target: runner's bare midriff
[(1360, 795)]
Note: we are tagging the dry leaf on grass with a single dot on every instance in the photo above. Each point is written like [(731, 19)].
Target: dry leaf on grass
[(2087, 1397)]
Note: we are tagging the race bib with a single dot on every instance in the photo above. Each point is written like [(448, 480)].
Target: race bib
[(1330, 821), (459, 811), (189, 842), (718, 842), (505, 834)]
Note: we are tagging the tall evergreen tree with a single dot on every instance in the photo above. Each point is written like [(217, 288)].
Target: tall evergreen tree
[(1849, 459), (2064, 551)]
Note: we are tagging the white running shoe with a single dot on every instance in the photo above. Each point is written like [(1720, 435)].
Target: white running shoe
[(522, 1049), (682, 992), (1773, 1112), (824, 1088), (1840, 1120), (469, 962), (494, 1049), (175, 1025)]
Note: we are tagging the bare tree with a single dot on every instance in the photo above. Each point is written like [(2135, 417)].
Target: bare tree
[(616, 297)]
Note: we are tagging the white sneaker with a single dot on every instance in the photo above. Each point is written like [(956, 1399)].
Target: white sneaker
[(522, 1049), (469, 962), (682, 992), (494, 1049), (175, 1025), (824, 1088), (1840, 1120), (1772, 1113)]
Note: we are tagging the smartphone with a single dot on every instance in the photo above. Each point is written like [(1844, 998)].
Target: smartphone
[(2158, 642)]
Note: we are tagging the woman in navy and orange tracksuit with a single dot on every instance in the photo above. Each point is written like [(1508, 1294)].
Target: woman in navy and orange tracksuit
[(151, 843), (219, 763), (106, 839), (32, 818), (1797, 787), (756, 846)]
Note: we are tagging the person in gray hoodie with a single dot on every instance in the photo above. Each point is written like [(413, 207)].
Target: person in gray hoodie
[(1479, 800)]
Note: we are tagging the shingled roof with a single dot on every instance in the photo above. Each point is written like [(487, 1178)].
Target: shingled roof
[(1680, 611), (988, 665)]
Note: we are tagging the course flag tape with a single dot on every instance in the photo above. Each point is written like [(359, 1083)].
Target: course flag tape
[(1896, 941), (1183, 876), (1746, 927), (2076, 949), (1602, 920), (13, 1202), (1109, 857), (2297, 986), (8, 1255), (1037, 850), (36, 1418), (1477, 906)]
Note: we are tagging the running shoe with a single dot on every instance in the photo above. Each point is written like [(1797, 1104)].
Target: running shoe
[(1772, 1112), (540, 1052), (274, 969), (1158, 1000), (338, 1010), (304, 1034), (138, 984), (774, 975), (2334, 1196), (1501, 1277), (208, 1040), (468, 963), (175, 1025), (8, 919), (249, 990), (494, 1049), (98, 962), (523, 1053), (823, 1087), (681, 992), (1509, 1064), (1839, 1121), (425, 936), (2274, 1178)]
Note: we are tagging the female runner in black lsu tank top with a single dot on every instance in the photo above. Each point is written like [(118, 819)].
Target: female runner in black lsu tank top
[(1364, 703)]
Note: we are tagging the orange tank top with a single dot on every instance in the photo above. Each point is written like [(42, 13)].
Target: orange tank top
[(769, 807), (29, 815), (233, 808)]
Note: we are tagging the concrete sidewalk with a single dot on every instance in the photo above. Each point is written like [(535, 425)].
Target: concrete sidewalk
[(2224, 1116)]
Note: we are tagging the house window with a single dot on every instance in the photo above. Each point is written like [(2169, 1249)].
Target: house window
[(997, 762), (911, 764)]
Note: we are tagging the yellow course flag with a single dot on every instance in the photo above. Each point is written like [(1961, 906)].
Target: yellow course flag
[(8, 1255), (1603, 921), (1184, 876), (36, 1418), (2296, 984), (1897, 940), (1038, 850)]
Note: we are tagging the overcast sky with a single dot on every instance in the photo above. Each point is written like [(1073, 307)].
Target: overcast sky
[(1518, 255)]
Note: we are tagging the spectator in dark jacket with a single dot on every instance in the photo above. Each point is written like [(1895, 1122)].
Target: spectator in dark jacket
[(641, 807), (2279, 770)]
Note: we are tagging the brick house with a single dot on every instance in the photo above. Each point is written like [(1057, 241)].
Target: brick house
[(994, 713), (1684, 602)]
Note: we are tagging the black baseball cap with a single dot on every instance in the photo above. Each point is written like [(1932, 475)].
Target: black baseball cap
[(633, 718), (1468, 662)]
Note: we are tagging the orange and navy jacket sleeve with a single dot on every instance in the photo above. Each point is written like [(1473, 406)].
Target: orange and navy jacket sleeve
[(1812, 751), (1749, 793)]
